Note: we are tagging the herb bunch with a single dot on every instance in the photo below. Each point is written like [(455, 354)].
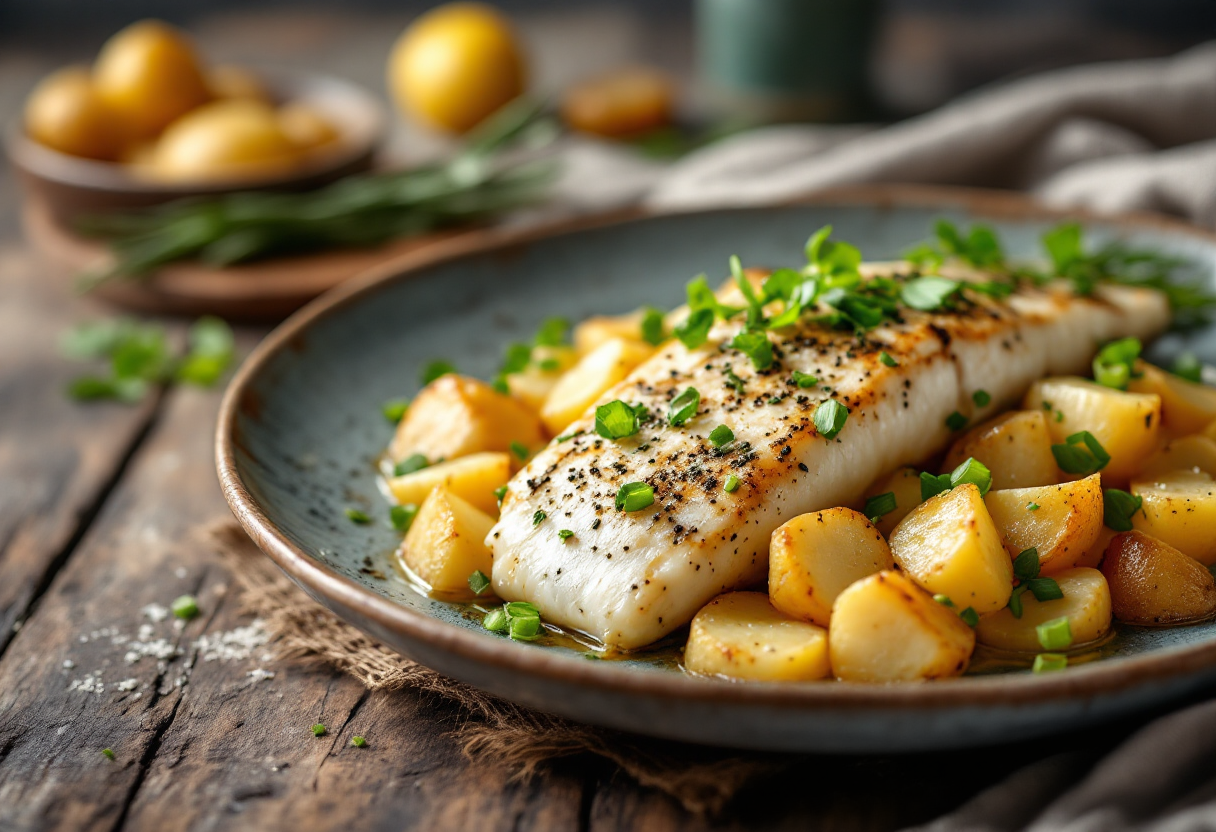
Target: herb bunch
[(356, 211)]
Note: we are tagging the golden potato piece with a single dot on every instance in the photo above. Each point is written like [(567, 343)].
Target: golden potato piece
[(591, 333), (455, 416), (1061, 521), (1094, 554), (307, 127), (1186, 407), (584, 383), (229, 140), (1086, 605), (814, 557), (950, 546), (534, 384), (1180, 509), (887, 629), (1126, 424), (742, 636), (232, 81), (65, 113), (472, 478), (1016, 448), (1196, 454), (446, 543), (623, 103), (904, 483), (1153, 583)]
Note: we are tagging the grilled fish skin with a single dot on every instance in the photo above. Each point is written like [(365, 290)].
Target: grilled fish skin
[(628, 579)]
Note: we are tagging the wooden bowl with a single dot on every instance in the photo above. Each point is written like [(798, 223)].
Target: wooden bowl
[(72, 186)]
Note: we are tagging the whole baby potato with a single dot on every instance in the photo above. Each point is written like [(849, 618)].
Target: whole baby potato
[(1151, 582), (65, 113), (231, 140)]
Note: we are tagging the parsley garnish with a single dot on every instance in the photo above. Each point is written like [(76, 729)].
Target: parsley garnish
[(683, 407), (358, 741), (804, 381), (634, 496), (478, 582), (402, 517), (437, 369), (879, 505), (1081, 454), (755, 345), (982, 398), (359, 516), (616, 420), (412, 463), (564, 534), (829, 418), (1188, 366), (956, 421), (318, 730), (394, 410), (721, 436), (971, 471), (928, 294), (652, 326), (499, 493), (538, 518), (1118, 509), (887, 360), (519, 449)]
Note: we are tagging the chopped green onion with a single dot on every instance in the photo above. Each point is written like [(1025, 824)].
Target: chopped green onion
[(733, 381), (566, 437), (880, 505), (412, 463), (928, 293), (495, 620), (982, 398), (652, 326), (394, 409), (1045, 589), (933, 484), (721, 436), (107, 753), (944, 600), (478, 582), (804, 380), (1015, 601), (956, 421), (358, 741), (499, 493), (184, 606), (755, 345), (1114, 365), (972, 471), (525, 629), (538, 518), (731, 485), (564, 535), (318, 730), (887, 360), (1032, 506), (1026, 564), (829, 418), (1187, 366), (359, 516), (522, 609), (1047, 662), (437, 369), (616, 420), (402, 517), (694, 330), (1118, 508), (634, 496), (683, 407), (970, 617), (549, 365), (1055, 634), (519, 449), (1075, 459)]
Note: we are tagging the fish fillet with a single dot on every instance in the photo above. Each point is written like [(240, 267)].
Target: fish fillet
[(628, 579)]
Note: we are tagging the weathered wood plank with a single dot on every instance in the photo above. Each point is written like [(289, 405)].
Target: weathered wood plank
[(57, 459)]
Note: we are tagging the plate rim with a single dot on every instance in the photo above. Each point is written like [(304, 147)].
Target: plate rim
[(322, 581)]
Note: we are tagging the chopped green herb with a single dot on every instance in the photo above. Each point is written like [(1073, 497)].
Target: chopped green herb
[(412, 463), (933, 484), (1188, 366), (1032, 506), (956, 421), (564, 535), (566, 437), (495, 620), (733, 381), (1045, 589), (887, 360), (1015, 601), (437, 369), (880, 505), (519, 449), (107, 753), (634, 496), (1055, 634), (1026, 565), (552, 333), (755, 307), (478, 582), (829, 418), (616, 420), (972, 471), (1048, 662), (755, 345), (928, 294), (359, 516), (394, 410), (970, 617), (683, 407), (318, 730), (982, 398), (980, 248), (1118, 509), (944, 600), (694, 330), (721, 436), (652, 326), (358, 741), (538, 518), (402, 517), (804, 380), (1081, 454), (731, 485), (525, 629), (184, 606), (522, 609), (549, 365), (1114, 365), (499, 493)]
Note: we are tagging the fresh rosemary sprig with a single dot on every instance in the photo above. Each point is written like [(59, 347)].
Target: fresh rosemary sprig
[(355, 211)]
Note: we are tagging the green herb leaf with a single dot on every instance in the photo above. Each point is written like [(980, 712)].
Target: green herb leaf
[(928, 294), (970, 617), (731, 485), (879, 505), (972, 471), (694, 330), (721, 436), (1015, 601), (402, 517), (616, 420), (1045, 589), (683, 407), (496, 620), (552, 333), (358, 741), (634, 496), (933, 484), (519, 449), (359, 516), (755, 345), (1114, 365), (394, 410), (1081, 454), (1049, 662), (1026, 565), (412, 463), (1118, 509), (1188, 366), (538, 518), (956, 421), (829, 418), (887, 360), (499, 493), (564, 534), (108, 753), (439, 368), (805, 381), (733, 381), (478, 582), (944, 600), (318, 730), (982, 398), (1055, 634), (185, 607), (1032, 506), (653, 330)]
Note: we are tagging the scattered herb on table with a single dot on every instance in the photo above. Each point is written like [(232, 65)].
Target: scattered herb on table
[(358, 741), (318, 730), (358, 516), (184, 607)]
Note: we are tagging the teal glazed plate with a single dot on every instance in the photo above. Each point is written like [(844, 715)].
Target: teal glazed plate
[(301, 430)]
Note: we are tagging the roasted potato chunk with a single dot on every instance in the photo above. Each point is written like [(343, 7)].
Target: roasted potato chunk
[(887, 629), (1180, 509), (1086, 605), (742, 636), (1061, 521), (472, 478), (814, 557), (446, 543), (1016, 447), (1094, 554), (533, 385), (589, 379), (1125, 423), (592, 333), (1196, 454), (904, 483), (1186, 407), (1151, 582), (455, 416), (950, 546)]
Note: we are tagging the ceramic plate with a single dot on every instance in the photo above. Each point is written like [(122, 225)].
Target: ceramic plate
[(301, 428)]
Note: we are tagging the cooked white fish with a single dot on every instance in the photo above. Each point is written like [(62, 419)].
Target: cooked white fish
[(628, 579)]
